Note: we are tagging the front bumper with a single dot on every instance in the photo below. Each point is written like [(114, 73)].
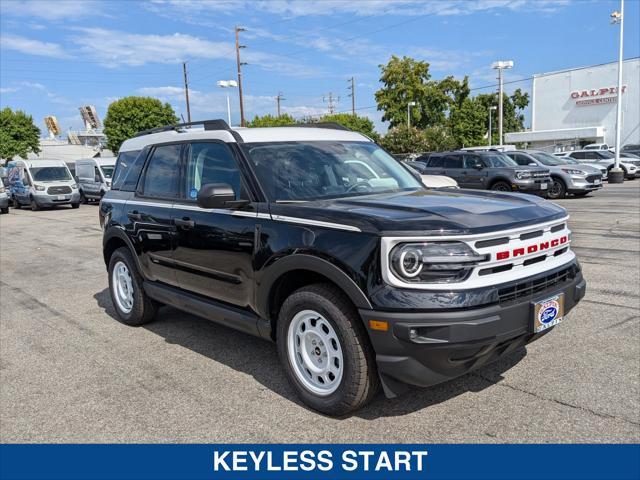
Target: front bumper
[(46, 200), (538, 185), (577, 184), (426, 348)]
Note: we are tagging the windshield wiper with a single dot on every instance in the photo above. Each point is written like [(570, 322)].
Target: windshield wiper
[(292, 201)]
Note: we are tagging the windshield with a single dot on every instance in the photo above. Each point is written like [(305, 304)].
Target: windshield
[(548, 159), (107, 171), (49, 174), (569, 161), (498, 160), (606, 154), (300, 171)]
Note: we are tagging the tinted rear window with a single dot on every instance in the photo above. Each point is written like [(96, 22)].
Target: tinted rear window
[(128, 166)]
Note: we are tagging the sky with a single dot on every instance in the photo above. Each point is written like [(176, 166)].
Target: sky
[(58, 55)]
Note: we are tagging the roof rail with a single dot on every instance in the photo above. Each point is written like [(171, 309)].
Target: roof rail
[(328, 125), (208, 125)]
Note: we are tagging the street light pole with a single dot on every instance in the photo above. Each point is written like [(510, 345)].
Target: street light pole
[(500, 66), (491, 109), (227, 84), (617, 174), (409, 105)]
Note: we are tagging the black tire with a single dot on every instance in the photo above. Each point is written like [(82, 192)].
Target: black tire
[(557, 189), (360, 380), (4, 210), (144, 308), (84, 200), (16, 203), (34, 206), (75, 205), (501, 187)]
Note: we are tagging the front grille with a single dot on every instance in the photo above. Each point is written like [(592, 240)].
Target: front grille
[(59, 190), (540, 174), (529, 288), (593, 178)]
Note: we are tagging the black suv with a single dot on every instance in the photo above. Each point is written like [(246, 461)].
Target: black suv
[(489, 170), (317, 239)]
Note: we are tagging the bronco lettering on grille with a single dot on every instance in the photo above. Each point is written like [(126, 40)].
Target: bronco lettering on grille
[(536, 247)]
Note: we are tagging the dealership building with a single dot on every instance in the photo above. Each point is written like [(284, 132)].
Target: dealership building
[(572, 108)]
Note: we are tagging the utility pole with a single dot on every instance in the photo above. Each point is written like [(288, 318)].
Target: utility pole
[(186, 90), (500, 66), (617, 174), (239, 64), (331, 100), (279, 98), (353, 96)]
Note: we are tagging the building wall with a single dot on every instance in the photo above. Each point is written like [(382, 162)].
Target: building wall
[(560, 101)]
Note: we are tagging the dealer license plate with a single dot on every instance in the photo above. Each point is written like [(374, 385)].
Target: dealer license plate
[(543, 186), (61, 197), (548, 313)]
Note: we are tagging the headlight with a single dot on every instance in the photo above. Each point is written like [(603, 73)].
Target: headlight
[(40, 188), (74, 186), (437, 262), (108, 183), (523, 175), (571, 171), (1, 189)]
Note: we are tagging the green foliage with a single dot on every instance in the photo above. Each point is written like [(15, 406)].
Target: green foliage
[(469, 123), (272, 121), (404, 140), (407, 80), (438, 138), (356, 123), (130, 115), (18, 134), (513, 116)]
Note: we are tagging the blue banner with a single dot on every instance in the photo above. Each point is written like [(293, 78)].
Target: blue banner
[(319, 461)]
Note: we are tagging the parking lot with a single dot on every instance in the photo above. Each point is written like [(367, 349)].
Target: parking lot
[(69, 372)]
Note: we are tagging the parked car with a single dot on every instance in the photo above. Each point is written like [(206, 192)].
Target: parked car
[(431, 181), (599, 166), (597, 146), (606, 158), (489, 170), (94, 177), (270, 231), (41, 183), (631, 148), (565, 179), (4, 200)]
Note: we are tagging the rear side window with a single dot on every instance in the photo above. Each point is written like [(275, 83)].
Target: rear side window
[(578, 155), (128, 167), (435, 161), (452, 161), (161, 178), (470, 161)]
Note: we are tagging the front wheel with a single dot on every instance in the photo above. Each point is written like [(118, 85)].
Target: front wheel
[(34, 206), (4, 210), (75, 205), (501, 187), (325, 350), (131, 303), (16, 203), (557, 189)]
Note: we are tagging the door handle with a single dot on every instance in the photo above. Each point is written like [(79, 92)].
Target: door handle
[(134, 216), (185, 223)]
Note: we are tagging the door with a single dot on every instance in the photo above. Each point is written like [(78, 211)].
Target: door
[(149, 213), (214, 247), (474, 176), (453, 168)]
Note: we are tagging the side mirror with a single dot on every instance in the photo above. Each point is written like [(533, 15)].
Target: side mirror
[(215, 195), (532, 164)]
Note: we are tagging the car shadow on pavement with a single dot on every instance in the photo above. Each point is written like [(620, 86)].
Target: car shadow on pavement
[(258, 358)]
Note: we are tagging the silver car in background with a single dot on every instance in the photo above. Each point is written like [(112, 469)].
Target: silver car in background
[(579, 180)]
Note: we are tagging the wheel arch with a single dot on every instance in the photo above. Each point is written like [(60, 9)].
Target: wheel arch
[(499, 179), (115, 238)]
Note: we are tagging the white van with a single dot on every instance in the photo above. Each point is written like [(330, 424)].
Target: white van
[(94, 177), (41, 183)]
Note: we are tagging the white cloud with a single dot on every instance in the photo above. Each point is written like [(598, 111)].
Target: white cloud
[(32, 47), (66, 10), (8, 89), (51, 96)]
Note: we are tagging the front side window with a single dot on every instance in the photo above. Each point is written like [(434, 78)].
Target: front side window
[(107, 171), (300, 171), (452, 161), (547, 159), (162, 173), (436, 162), (211, 163), (498, 160), (605, 154), (50, 174)]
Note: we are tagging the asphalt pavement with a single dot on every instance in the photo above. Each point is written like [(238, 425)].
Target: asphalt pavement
[(69, 372)]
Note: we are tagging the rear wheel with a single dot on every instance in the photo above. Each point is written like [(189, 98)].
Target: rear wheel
[(501, 187), (132, 304), (16, 203), (83, 199), (34, 205), (325, 350), (75, 205), (557, 189), (4, 210)]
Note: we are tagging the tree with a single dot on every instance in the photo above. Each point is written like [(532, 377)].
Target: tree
[(407, 80), (272, 121), (468, 123), (356, 123), (18, 134), (513, 111), (404, 140), (438, 138), (130, 115)]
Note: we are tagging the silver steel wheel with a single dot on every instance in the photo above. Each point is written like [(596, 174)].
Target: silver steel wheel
[(122, 287), (315, 353)]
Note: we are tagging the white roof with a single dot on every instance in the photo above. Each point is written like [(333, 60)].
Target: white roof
[(249, 135), (99, 160), (41, 163)]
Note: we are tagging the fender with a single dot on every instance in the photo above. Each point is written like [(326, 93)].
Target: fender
[(308, 262), (118, 232)]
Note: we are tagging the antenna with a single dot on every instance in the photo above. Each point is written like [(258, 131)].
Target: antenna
[(52, 125), (90, 117)]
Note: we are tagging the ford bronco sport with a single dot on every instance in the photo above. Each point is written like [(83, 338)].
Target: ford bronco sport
[(317, 239)]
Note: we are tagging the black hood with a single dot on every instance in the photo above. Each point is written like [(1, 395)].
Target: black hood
[(435, 211)]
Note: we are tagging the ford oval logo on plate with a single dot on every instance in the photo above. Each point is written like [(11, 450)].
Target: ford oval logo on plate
[(548, 313)]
